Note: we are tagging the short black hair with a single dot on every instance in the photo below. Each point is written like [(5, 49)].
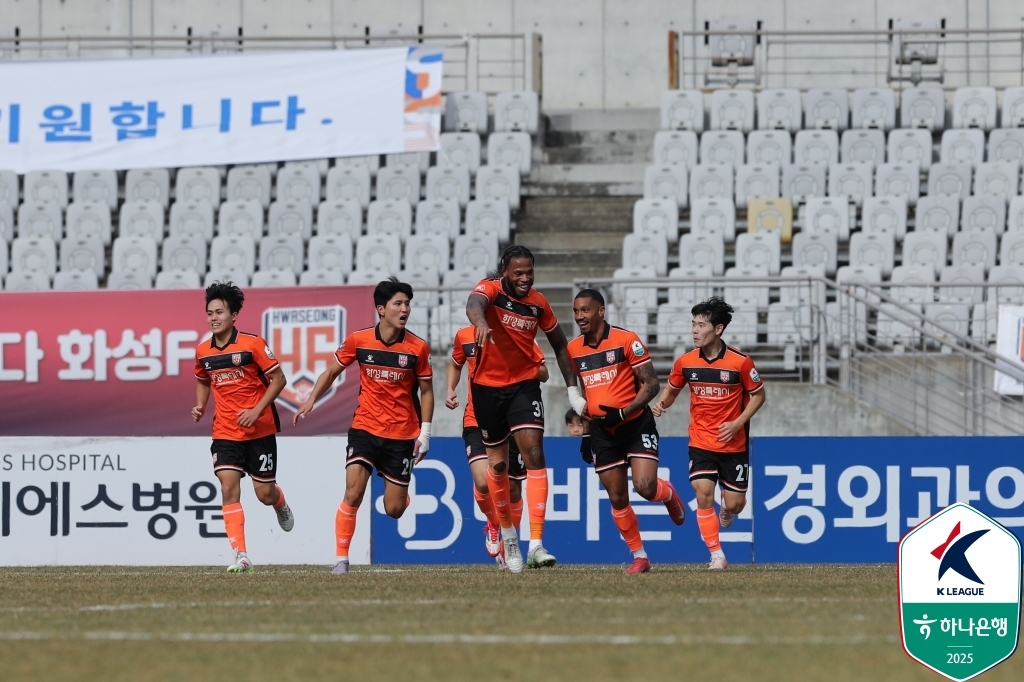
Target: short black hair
[(715, 310), (514, 251), (227, 292), (386, 290), (570, 414), (592, 294)]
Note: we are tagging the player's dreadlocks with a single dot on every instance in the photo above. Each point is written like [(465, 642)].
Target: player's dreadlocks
[(513, 251), (227, 292)]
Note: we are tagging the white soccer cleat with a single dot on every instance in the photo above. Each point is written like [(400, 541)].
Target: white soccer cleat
[(492, 540), (540, 558), (499, 559), (340, 568), (513, 556), (718, 563), (726, 517), (241, 565), (285, 518)]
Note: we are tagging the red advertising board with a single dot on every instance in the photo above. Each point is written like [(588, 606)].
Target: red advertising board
[(121, 363)]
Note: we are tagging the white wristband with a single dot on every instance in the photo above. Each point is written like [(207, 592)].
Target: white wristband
[(576, 400), (424, 437)]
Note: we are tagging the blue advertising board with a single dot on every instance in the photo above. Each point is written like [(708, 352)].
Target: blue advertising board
[(815, 500)]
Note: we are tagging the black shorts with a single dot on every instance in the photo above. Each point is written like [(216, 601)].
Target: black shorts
[(256, 457), (392, 458), (476, 450), (732, 469), (500, 411), (634, 439)]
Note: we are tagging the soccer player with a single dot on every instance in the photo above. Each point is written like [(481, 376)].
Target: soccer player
[(619, 381), (245, 379), (725, 392), (506, 312), (391, 427)]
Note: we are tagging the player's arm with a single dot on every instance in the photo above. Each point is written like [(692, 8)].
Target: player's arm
[(453, 376), (666, 399), (323, 383), (278, 381), (476, 311), (202, 398), (556, 337), (648, 382), (426, 415), (728, 430)]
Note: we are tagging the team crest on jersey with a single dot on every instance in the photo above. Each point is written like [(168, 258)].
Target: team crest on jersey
[(236, 359), (610, 356), (535, 311), (403, 360), (724, 375), (305, 339)]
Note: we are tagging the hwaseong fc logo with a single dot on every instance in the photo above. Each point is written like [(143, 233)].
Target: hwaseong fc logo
[(304, 341), (959, 581)]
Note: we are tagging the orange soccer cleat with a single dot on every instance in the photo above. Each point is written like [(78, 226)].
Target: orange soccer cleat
[(639, 565)]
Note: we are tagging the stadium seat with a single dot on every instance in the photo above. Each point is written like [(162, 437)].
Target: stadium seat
[(442, 217), (1006, 144), (448, 183), (243, 217), (975, 247), (801, 182), (510, 149), (707, 250), (997, 178), (746, 294), (27, 280), (769, 146), (667, 182), (135, 254), (675, 326), (656, 216), (282, 252), (398, 183), (950, 180), (75, 280), (985, 322), (193, 184), (338, 217), (368, 277), (457, 285), (645, 251), (689, 294), (874, 108), (887, 214), (88, 219), (129, 281), (761, 249), (720, 147), (975, 108), (47, 187), (178, 279), (923, 107), (708, 216), (290, 217), (40, 220), (854, 181), (898, 180), (779, 110), (273, 278), (466, 112), (1007, 275), (863, 146), (418, 322), (459, 150), (34, 254), (141, 219), (233, 253), (789, 325), (771, 215), (238, 277), (964, 146), (756, 181), (711, 181), (6, 223), (918, 46), (321, 278), (476, 252), (516, 111), (445, 323), (184, 252), (816, 146), (732, 110), (148, 184), (298, 183), (370, 163), (1011, 248), (676, 146), (910, 146), (9, 188), (938, 213), (389, 217), (873, 248), (414, 161), (625, 295), (913, 284), (1013, 108), (349, 182), (965, 276), (925, 250), (427, 252), (1015, 215), (682, 110), (424, 283), (897, 327), (82, 253), (732, 42), (99, 186), (331, 252), (984, 213), (804, 290), (847, 317), (742, 331), (819, 250), (249, 183), (496, 183), (192, 217)]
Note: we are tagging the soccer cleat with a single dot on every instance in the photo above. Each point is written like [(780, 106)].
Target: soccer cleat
[(285, 518), (726, 517), (513, 556), (675, 507), (539, 558), (241, 565), (639, 565), (499, 559), (718, 563), (492, 540), (341, 567)]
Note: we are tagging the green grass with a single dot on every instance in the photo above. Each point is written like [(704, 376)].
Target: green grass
[(764, 622)]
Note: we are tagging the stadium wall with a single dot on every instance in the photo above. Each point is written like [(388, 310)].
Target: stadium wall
[(597, 53)]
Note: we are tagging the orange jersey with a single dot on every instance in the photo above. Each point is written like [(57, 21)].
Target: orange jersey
[(512, 354), (719, 391), (607, 369), (388, 376), (464, 351), (238, 379)]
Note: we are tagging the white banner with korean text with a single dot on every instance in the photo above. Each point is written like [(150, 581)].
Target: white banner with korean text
[(156, 501), (146, 112), (1010, 345)]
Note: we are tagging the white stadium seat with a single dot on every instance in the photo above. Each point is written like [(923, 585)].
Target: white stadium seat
[(249, 182), (863, 146), (27, 280), (874, 108), (769, 146), (828, 215), (756, 181), (448, 183), (238, 277), (47, 187), (1008, 275), (100, 186), (516, 111), (816, 146), (459, 150), (874, 248), (1013, 108), (273, 278), (801, 182), (243, 217), (780, 110), (885, 214), (760, 249), (82, 253), (910, 146), (178, 279), (975, 247), (816, 250), (803, 291), (732, 42), (427, 252), (964, 146), (184, 252), (984, 213), (75, 280), (645, 251), (897, 327), (398, 183), (348, 182), (9, 188), (682, 110), (476, 252), (710, 216), (746, 294), (1015, 215), (299, 183), (442, 217), (290, 217), (331, 252), (985, 322), (88, 219), (711, 181), (195, 184), (6, 224), (339, 217), (788, 324), (676, 146), (975, 108), (233, 253), (321, 278), (510, 149), (707, 250), (925, 251), (129, 281), (1006, 144), (923, 107), (1011, 248), (192, 218), (675, 326), (368, 277), (689, 294), (416, 161), (424, 284), (40, 220), (997, 178), (849, 276), (852, 180), (321, 166), (667, 182), (458, 284), (742, 331), (732, 110), (913, 284), (141, 219), (938, 213), (379, 252), (497, 183), (634, 295), (148, 184), (950, 180), (898, 180), (966, 276), (721, 147), (657, 216), (466, 112), (389, 217), (135, 254)]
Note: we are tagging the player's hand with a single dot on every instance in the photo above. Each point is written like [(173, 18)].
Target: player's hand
[(483, 335), (306, 408), (728, 431), (247, 418), (612, 416), (658, 408), (585, 450), (197, 412), (422, 443), (451, 400)]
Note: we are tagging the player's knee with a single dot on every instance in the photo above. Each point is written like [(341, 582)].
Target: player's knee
[(736, 506), (394, 509), (515, 491), (499, 467), (618, 501), (267, 495), (535, 458), (481, 487), (645, 487), (353, 498)]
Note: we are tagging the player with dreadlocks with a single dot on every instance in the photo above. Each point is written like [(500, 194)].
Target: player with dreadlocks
[(507, 312)]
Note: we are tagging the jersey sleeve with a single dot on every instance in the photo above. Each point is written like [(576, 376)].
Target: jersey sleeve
[(749, 377), (346, 355), (263, 356), (489, 288), (676, 377), (423, 367), (201, 372), (458, 355), (548, 321), (636, 352)]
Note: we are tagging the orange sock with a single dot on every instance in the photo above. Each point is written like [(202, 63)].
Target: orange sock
[(517, 512), (707, 521), (344, 528), (497, 485), (234, 525), (537, 492), (280, 498), (663, 492), (629, 527), (483, 500)]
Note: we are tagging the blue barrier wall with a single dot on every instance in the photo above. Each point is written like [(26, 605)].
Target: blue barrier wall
[(812, 500)]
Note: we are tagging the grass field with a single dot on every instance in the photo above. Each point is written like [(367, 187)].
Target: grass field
[(763, 622)]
